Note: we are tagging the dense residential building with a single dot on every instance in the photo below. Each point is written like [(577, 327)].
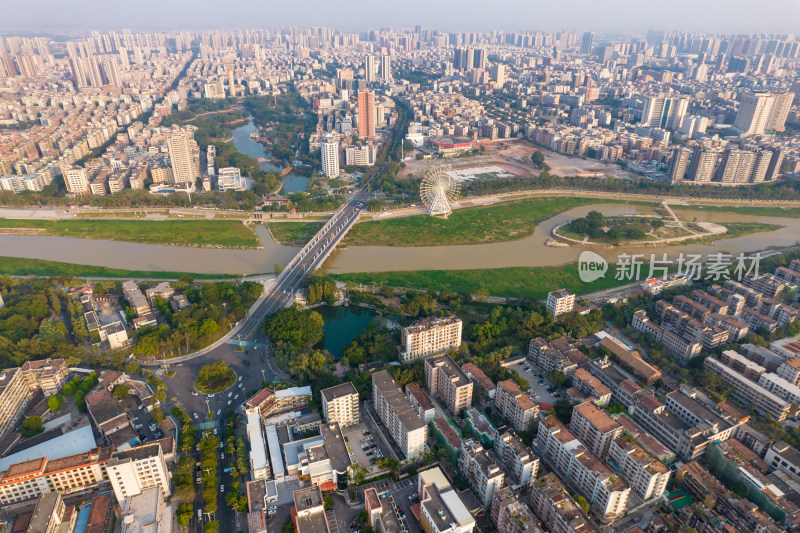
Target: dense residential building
[(510, 515), (134, 470), (430, 336), (515, 405), (685, 424), (646, 475), (517, 458), (18, 386), (184, 168), (560, 302), (785, 458), (420, 401), (594, 428), (606, 493), (445, 379), (478, 376), (482, 473), (405, 426), (590, 386), (340, 405), (749, 391), (553, 504)]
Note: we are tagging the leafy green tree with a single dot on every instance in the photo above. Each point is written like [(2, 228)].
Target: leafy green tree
[(184, 514), (133, 367), (120, 391), (211, 527), (55, 402), (301, 329), (31, 426), (557, 378)]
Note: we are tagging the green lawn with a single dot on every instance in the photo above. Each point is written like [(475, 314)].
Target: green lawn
[(294, 233), (471, 225), (737, 229), (195, 233), (516, 282), (16, 266)]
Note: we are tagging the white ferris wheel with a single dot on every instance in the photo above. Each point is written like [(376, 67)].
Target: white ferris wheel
[(438, 190)]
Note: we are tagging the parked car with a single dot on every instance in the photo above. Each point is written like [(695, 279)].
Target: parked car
[(222, 488)]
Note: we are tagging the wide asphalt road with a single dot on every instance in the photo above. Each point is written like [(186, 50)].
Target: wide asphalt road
[(248, 350)]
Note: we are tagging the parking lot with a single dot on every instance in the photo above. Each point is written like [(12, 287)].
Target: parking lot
[(400, 492), (540, 391), (357, 440)]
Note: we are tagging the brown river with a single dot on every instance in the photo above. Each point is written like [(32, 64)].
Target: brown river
[(528, 252)]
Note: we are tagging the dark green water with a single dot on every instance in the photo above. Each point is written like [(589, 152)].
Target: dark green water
[(342, 325)]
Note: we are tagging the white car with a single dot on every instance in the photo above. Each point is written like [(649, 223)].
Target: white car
[(240, 378), (229, 402), (195, 416), (229, 394), (236, 397), (219, 411)]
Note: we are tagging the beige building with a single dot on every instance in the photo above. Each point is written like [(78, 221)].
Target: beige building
[(134, 470), (76, 180), (28, 479), (430, 336), (405, 426), (514, 405), (445, 379), (594, 427), (18, 385), (510, 515), (749, 391), (517, 458), (606, 493), (646, 475), (340, 405), (483, 474), (310, 511), (48, 514), (553, 504), (181, 158), (560, 302)]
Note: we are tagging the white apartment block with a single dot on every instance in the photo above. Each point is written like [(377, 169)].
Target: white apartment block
[(431, 336), (330, 156), (646, 475), (134, 470), (783, 457), (606, 493), (76, 180), (749, 391), (340, 405), (444, 378), (29, 479), (483, 474), (405, 426), (790, 370), (684, 424), (595, 428), (517, 458), (360, 156), (514, 405), (231, 179), (17, 386), (780, 387), (560, 302)]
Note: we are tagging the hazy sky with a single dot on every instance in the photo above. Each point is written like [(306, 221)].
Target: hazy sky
[(780, 16)]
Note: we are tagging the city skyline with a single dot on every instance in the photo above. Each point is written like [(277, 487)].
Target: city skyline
[(627, 16)]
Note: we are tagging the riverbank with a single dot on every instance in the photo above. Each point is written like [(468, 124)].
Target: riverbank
[(514, 282), (188, 233), (15, 266)]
